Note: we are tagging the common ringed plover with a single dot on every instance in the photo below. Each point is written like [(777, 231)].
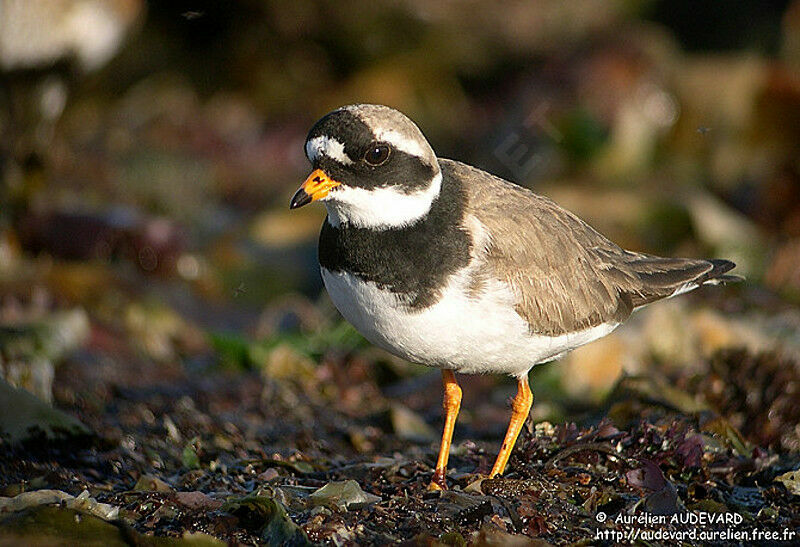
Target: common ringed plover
[(446, 265)]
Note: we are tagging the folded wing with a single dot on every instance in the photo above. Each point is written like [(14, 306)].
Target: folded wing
[(565, 275)]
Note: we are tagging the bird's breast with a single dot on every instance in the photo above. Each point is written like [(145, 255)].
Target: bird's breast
[(414, 262)]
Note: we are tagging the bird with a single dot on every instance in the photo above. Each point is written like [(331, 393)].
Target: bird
[(446, 265), (46, 48)]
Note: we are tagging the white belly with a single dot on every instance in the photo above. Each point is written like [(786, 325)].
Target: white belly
[(471, 335)]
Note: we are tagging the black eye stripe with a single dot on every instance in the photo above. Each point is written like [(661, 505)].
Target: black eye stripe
[(402, 170), (405, 172)]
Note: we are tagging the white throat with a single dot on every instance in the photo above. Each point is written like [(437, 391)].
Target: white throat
[(380, 207)]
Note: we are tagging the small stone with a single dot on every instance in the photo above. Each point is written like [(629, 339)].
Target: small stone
[(344, 495), (268, 474), (197, 501), (151, 483)]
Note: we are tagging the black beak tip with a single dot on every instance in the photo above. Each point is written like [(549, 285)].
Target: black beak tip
[(299, 199)]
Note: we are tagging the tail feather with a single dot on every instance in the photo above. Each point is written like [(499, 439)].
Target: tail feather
[(666, 277), (720, 267)]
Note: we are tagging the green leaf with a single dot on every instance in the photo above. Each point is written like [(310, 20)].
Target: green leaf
[(189, 456), (232, 350)]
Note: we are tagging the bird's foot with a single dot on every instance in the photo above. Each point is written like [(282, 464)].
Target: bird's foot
[(438, 481)]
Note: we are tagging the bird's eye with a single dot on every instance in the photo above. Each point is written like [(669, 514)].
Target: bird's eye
[(377, 153)]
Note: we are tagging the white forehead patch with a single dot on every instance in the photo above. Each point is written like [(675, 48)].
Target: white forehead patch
[(326, 146)]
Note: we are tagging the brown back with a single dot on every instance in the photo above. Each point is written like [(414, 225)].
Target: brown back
[(566, 275)]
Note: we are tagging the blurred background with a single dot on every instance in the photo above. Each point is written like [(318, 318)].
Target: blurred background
[(148, 151)]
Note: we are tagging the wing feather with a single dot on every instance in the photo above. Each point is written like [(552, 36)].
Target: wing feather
[(565, 275)]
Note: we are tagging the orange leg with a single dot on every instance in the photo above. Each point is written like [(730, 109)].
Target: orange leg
[(519, 413), (452, 403)]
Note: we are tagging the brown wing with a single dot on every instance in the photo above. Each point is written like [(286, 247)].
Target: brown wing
[(566, 275)]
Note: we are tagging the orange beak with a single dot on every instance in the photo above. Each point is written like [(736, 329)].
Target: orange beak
[(316, 186)]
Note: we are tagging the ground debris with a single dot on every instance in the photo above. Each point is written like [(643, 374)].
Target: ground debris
[(251, 479), (343, 495)]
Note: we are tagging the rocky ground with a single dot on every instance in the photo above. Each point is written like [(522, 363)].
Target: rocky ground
[(337, 446)]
